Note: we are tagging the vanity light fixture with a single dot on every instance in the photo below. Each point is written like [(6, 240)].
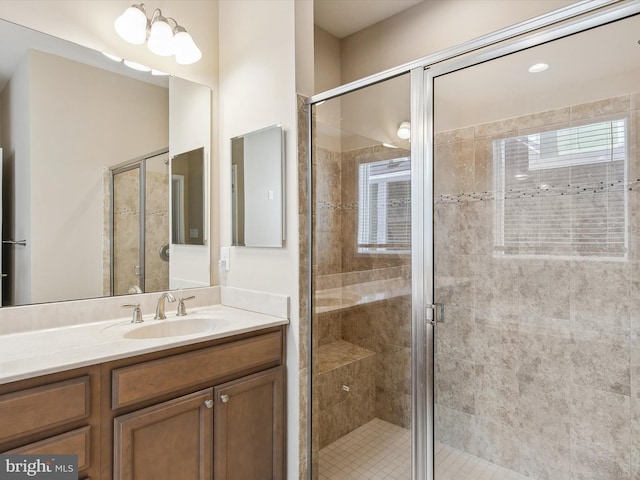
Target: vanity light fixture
[(162, 39), (404, 130)]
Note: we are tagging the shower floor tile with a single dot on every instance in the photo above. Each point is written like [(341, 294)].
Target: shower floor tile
[(382, 451), (377, 450)]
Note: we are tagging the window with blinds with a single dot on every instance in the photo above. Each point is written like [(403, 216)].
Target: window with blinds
[(562, 192), (384, 207)]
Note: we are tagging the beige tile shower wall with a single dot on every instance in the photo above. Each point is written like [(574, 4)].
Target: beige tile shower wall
[(538, 364), (385, 328), (327, 224), (126, 231), (379, 385), (156, 230)]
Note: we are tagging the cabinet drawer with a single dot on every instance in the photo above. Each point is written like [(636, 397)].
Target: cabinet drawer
[(76, 442), (148, 380), (41, 408)]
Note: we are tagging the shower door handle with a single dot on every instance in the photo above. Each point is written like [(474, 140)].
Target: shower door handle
[(137, 271), (434, 313), (15, 242)]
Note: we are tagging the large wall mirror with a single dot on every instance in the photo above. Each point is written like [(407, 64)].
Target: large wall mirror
[(88, 146), (257, 182)]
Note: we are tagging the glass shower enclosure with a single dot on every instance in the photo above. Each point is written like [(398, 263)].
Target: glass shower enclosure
[(475, 288), (138, 253)]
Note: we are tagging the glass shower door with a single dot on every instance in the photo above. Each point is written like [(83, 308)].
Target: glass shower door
[(140, 225), (535, 176), (127, 269), (361, 326)]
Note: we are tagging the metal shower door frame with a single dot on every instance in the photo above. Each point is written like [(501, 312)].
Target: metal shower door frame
[(560, 23), (140, 165)]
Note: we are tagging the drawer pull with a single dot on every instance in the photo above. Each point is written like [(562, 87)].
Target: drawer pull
[(224, 398), (208, 403)]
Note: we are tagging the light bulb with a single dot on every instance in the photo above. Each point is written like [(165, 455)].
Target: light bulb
[(161, 38), (132, 25), (186, 49), (404, 130)]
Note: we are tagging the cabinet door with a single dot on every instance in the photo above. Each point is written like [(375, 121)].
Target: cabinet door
[(169, 440), (248, 428)]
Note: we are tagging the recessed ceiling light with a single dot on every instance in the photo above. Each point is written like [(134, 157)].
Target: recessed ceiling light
[(538, 67)]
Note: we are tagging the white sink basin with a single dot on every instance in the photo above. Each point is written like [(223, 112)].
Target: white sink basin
[(170, 327), (174, 327)]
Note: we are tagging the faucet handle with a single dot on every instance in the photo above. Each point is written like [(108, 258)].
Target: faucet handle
[(137, 313), (182, 310)]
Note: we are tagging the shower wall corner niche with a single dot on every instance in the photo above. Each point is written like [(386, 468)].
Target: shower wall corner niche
[(81, 115)]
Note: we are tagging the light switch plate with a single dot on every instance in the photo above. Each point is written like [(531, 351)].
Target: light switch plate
[(225, 260)]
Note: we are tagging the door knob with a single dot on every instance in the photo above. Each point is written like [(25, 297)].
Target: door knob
[(208, 403), (224, 398)]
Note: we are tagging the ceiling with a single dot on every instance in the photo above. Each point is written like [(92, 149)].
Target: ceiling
[(342, 18)]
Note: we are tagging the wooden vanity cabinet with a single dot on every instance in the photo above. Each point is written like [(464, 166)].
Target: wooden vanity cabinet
[(54, 415), (248, 428), (170, 440), (216, 411), (209, 410)]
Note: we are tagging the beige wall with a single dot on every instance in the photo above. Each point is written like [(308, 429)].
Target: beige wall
[(258, 88), (429, 27)]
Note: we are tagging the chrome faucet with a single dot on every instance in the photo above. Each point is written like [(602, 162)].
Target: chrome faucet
[(160, 315)]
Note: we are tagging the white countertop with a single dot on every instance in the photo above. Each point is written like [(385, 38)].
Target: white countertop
[(40, 352)]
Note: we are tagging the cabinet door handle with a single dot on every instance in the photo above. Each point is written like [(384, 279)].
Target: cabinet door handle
[(208, 403), (224, 398)]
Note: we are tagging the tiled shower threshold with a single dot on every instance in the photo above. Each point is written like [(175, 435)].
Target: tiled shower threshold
[(380, 450)]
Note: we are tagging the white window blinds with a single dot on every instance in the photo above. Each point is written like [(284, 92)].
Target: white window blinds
[(562, 192), (384, 207)]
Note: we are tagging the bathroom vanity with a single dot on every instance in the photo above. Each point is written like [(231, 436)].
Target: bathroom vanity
[(203, 406)]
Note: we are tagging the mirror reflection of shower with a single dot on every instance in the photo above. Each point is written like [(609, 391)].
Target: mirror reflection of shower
[(136, 247)]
